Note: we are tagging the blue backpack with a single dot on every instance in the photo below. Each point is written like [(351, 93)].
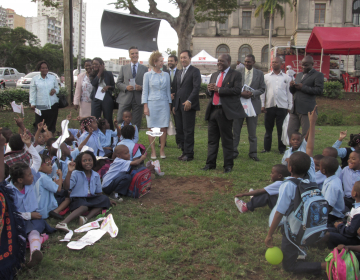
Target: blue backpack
[(306, 219)]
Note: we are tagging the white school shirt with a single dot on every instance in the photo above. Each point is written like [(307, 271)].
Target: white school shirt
[(277, 92)]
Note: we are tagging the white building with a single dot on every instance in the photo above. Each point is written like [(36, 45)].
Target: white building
[(47, 29), (42, 10), (3, 17), (112, 66)]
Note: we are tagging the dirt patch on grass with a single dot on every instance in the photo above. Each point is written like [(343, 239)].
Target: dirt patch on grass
[(166, 191), (349, 104)]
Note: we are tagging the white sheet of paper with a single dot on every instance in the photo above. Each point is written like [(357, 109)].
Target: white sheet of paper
[(100, 95), (37, 111), (16, 108), (88, 239), (67, 237), (246, 87), (132, 82)]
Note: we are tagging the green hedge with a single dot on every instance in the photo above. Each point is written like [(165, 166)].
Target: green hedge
[(18, 95), (333, 89)]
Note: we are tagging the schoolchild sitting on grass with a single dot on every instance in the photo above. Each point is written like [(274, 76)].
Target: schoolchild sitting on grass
[(117, 180), (86, 192), (41, 137), (332, 190), (127, 117), (128, 132), (346, 234), (319, 177), (106, 135), (18, 152), (296, 144), (299, 164), (344, 153), (266, 196), (332, 152), (94, 140), (350, 174)]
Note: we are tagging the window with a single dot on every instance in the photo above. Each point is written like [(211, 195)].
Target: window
[(356, 12), (243, 52), (265, 54), (267, 22), (246, 20), (12, 72), (320, 13), (6, 72), (223, 26), (222, 49)]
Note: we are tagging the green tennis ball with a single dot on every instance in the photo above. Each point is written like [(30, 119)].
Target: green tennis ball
[(274, 255)]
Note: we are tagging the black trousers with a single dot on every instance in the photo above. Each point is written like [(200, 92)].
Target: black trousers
[(220, 127), (349, 202), (272, 115), (332, 219), (50, 117), (105, 106), (336, 239), (119, 185), (185, 128), (261, 201), (290, 263)]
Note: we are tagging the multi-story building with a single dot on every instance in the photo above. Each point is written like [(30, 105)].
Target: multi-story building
[(3, 18), (14, 20), (243, 33), (47, 29), (124, 60), (57, 12)]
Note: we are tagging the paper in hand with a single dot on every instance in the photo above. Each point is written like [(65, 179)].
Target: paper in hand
[(132, 82), (17, 108), (247, 88), (37, 111), (100, 95)]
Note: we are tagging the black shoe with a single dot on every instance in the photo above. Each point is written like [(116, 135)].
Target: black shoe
[(281, 152), (254, 158), (186, 158), (207, 167), (54, 215), (264, 151), (227, 169), (181, 157)]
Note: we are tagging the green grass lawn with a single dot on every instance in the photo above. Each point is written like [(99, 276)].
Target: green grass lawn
[(187, 232)]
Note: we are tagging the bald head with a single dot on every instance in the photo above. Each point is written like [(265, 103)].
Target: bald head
[(276, 64), (307, 64), (330, 152), (121, 151)]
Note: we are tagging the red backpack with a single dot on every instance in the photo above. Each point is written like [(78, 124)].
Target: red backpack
[(140, 183)]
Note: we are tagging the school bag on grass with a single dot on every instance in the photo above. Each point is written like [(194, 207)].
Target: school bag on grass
[(342, 266), (140, 182), (306, 219)]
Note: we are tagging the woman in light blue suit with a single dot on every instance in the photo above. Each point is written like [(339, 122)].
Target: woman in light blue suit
[(156, 98)]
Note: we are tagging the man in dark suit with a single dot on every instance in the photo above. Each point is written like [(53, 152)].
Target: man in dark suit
[(255, 79), (186, 103), (172, 62), (305, 88), (224, 91)]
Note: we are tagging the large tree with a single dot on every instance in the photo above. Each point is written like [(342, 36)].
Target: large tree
[(190, 12), (270, 8)]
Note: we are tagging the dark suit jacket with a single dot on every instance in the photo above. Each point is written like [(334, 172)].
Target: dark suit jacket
[(258, 84), (229, 94), (305, 99), (172, 84), (109, 81), (188, 89)]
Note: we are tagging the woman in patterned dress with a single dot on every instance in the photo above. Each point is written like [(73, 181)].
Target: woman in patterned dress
[(83, 91)]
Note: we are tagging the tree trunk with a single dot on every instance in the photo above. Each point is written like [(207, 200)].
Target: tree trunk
[(270, 37)]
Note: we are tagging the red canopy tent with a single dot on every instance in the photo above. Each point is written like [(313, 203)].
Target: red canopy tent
[(334, 40)]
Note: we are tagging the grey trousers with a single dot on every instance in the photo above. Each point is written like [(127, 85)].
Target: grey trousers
[(251, 127), (137, 112), (297, 120)]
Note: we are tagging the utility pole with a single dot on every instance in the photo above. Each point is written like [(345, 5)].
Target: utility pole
[(67, 48), (80, 39)]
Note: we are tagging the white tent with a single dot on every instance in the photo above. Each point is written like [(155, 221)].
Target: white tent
[(203, 58)]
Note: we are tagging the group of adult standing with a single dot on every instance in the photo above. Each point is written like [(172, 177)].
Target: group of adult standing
[(157, 93)]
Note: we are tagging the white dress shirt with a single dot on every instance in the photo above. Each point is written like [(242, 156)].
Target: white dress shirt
[(217, 79), (277, 92)]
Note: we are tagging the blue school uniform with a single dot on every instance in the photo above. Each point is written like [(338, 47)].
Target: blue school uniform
[(348, 178), (320, 178), (93, 142), (105, 139), (334, 194), (130, 144), (45, 188), (64, 165), (74, 132), (119, 165), (273, 189), (341, 151), (136, 135), (290, 151)]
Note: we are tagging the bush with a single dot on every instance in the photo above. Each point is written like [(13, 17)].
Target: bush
[(336, 119), (9, 95), (203, 87), (333, 89), (322, 119)]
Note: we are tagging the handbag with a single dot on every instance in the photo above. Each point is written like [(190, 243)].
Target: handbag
[(171, 129), (62, 101)]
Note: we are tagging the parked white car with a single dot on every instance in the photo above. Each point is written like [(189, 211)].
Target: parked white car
[(24, 82), (9, 77)]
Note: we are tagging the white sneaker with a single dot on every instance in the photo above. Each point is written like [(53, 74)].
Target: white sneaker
[(251, 190), (82, 220), (115, 197), (241, 205), (62, 227)]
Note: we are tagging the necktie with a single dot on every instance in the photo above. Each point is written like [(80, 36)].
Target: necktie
[(216, 97), (134, 71), (172, 75), (247, 78), (183, 74)]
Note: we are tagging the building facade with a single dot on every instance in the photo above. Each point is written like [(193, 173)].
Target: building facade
[(14, 20), (3, 18), (47, 29), (243, 33), (78, 29)]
